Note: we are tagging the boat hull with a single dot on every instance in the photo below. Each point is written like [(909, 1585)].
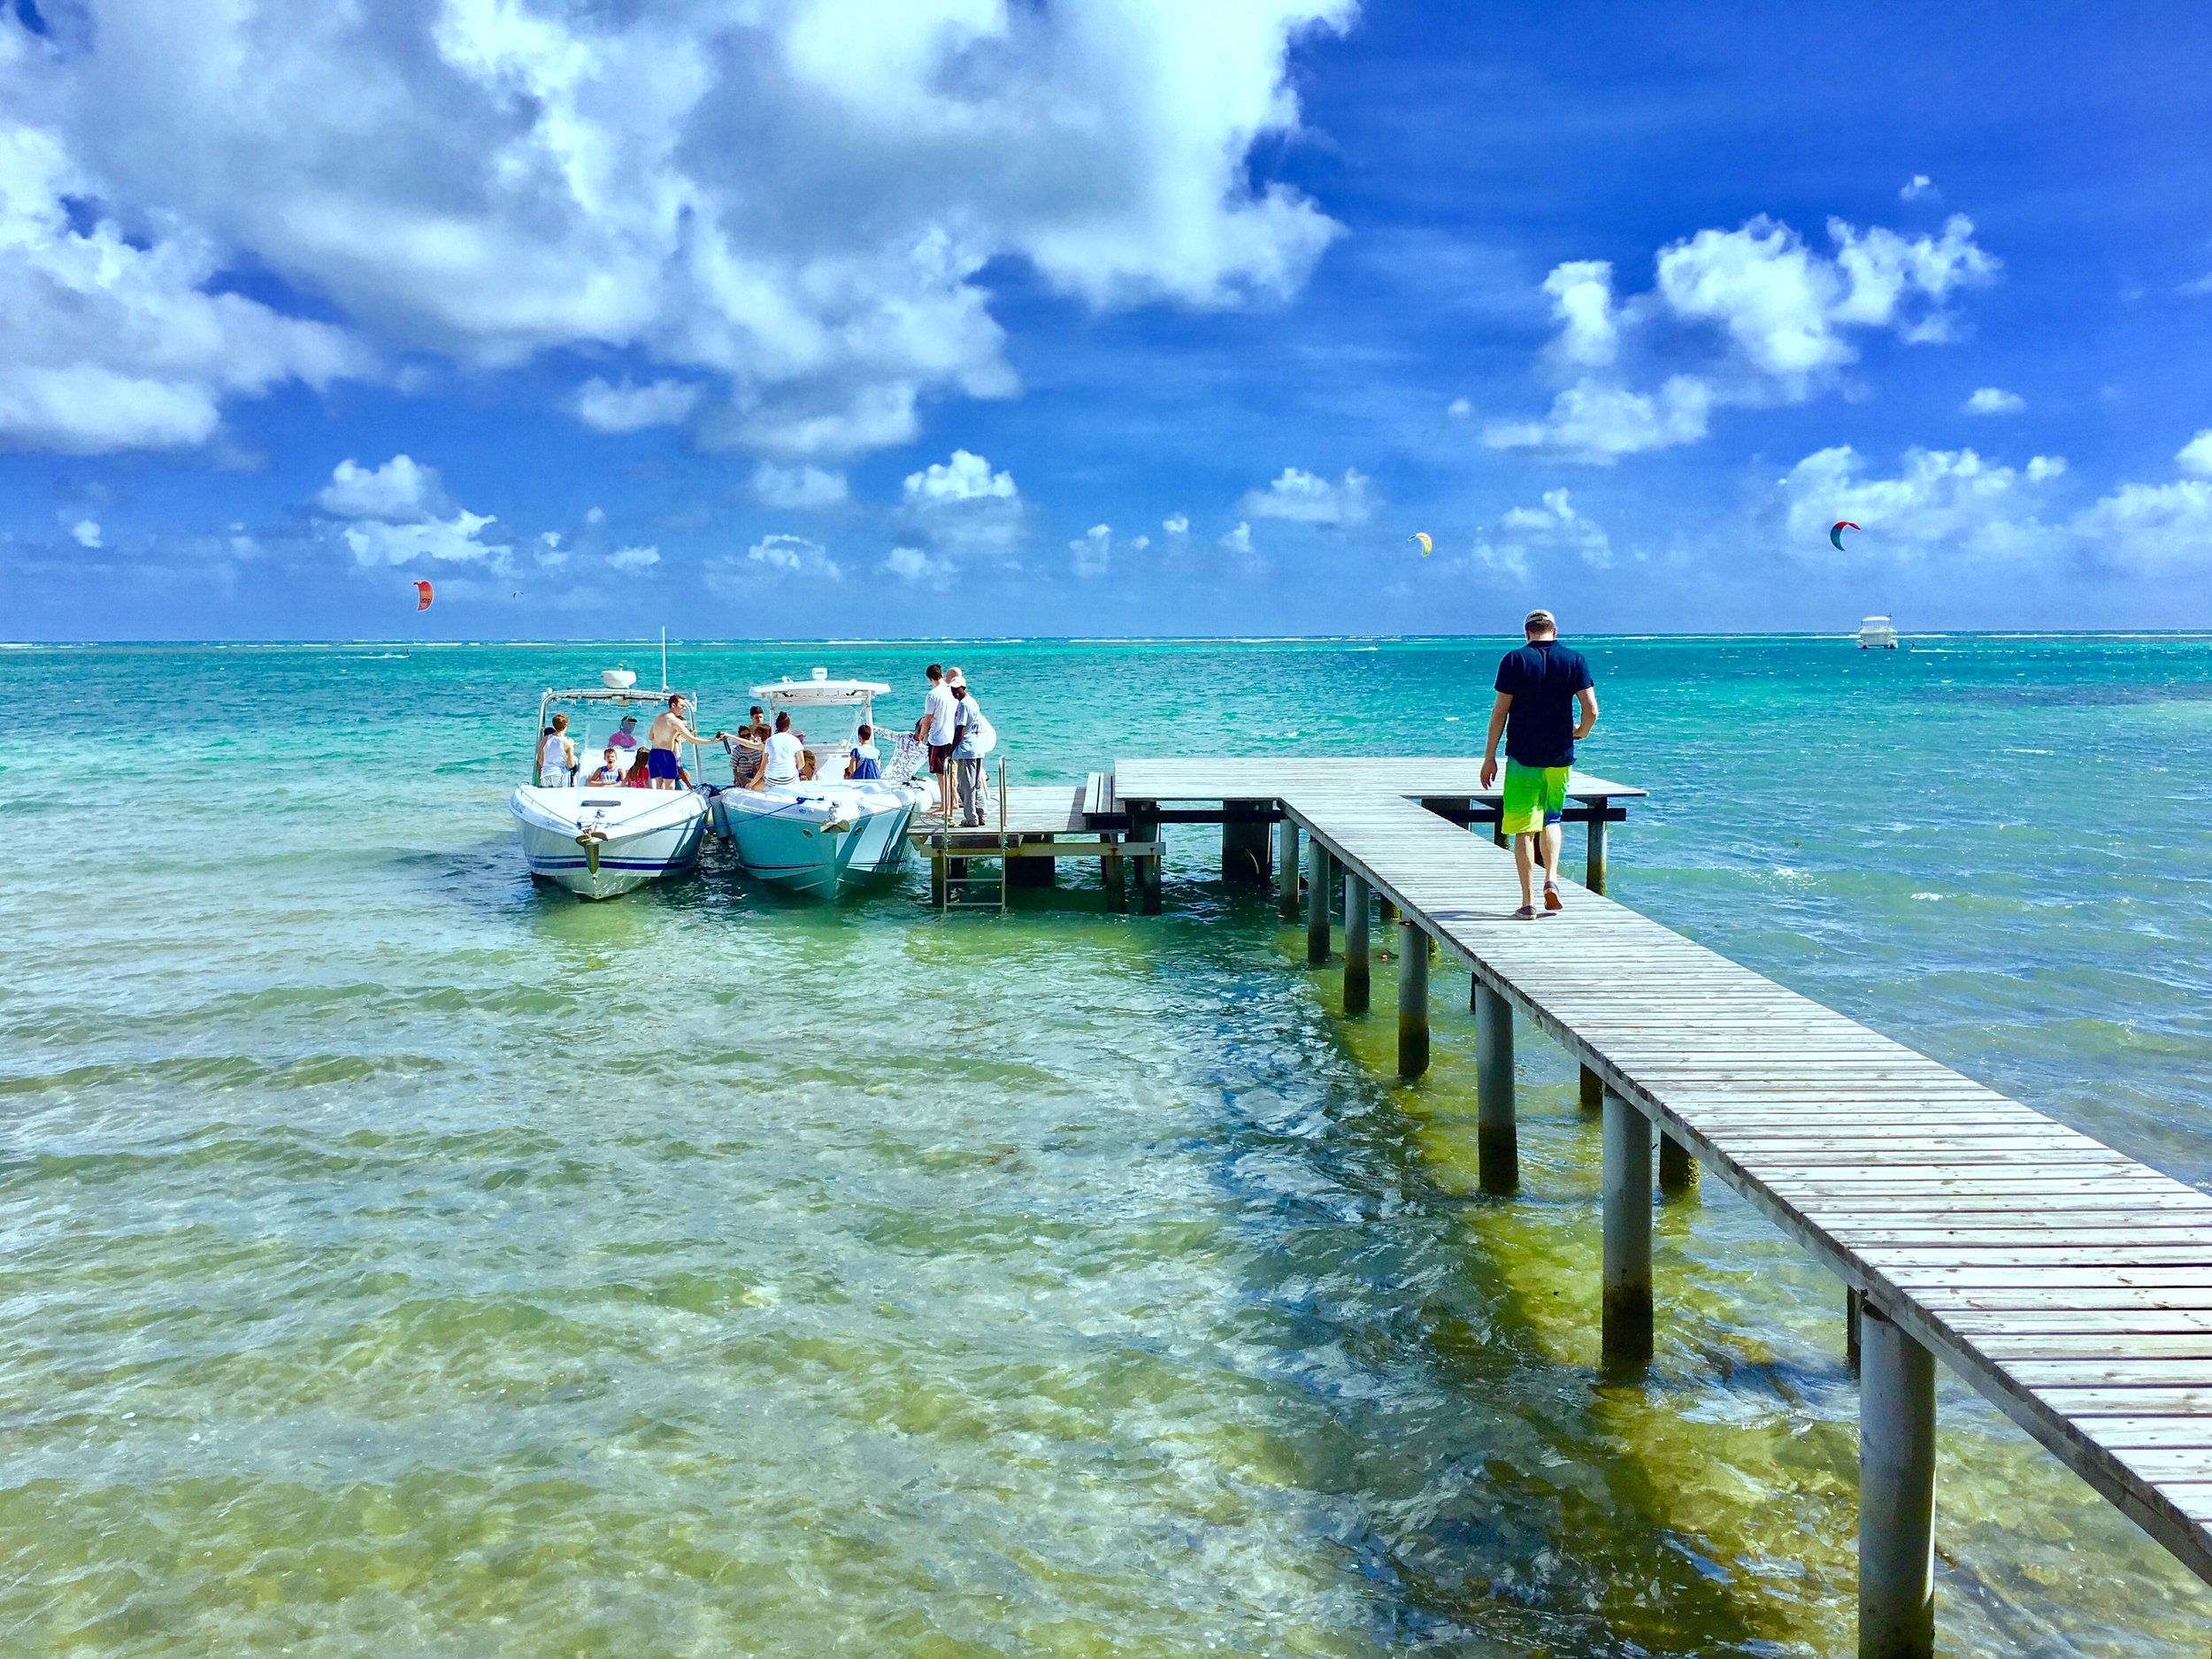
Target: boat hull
[(818, 841), (597, 843)]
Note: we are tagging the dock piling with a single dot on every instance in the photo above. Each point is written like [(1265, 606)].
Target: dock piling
[(1678, 1170), (1145, 827), (1592, 1090), (1413, 1000), (1244, 847), (1497, 1140), (1593, 864), (1896, 1492), (1287, 867), (1355, 951), (1318, 884), (1626, 1343)]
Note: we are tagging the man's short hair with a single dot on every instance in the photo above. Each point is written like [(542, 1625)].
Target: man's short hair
[(1540, 621), (935, 672)]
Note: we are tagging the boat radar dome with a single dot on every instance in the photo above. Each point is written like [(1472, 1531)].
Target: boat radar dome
[(618, 679)]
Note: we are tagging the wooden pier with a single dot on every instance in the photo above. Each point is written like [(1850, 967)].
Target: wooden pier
[(2067, 1282)]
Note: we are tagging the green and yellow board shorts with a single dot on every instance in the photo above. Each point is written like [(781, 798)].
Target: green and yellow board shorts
[(1534, 796)]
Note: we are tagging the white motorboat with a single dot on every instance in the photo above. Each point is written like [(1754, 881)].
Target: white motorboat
[(599, 839), (829, 832), (1877, 635)]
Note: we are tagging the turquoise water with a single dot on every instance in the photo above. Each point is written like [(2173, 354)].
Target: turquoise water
[(402, 1260)]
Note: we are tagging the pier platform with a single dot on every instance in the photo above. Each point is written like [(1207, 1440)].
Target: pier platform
[(2067, 1282)]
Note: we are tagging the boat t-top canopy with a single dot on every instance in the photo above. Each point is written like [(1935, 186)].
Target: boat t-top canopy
[(624, 696), (821, 691)]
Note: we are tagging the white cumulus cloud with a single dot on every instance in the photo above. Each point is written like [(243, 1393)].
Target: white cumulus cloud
[(1772, 319), (1919, 185), (797, 488), (626, 408), (634, 558), (794, 554), (399, 514), (1307, 498), (791, 200), (917, 567), (1948, 501), (962, 506), (86, 533), (1176, 524), (109, 338), (1992, 400), (402, 490), (1236, 541), (2195, 457)]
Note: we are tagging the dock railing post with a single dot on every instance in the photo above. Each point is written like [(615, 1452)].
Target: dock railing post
[(1896, 1492), (1287, 866), (1413, 1000), (1497, 1141), (1316, 902), (1626, 1343), (1355, 951), (1593, 866)]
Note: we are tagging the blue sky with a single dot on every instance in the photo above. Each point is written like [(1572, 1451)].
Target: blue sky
[(849, 317)]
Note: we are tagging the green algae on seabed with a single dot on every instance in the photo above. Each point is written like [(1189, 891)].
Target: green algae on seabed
[(404, 1260)]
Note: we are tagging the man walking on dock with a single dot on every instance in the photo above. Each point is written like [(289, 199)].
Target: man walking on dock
[(1538, 687)]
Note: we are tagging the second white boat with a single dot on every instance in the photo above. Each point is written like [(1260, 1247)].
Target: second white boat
[(829, 832)]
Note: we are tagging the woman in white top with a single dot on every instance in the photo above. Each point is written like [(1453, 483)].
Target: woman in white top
[(780, 757), (556, 755)]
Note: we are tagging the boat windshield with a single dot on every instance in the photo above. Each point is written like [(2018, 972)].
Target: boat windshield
[(826, 725)]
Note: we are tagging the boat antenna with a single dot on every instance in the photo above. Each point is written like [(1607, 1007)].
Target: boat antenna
[(664, 657)]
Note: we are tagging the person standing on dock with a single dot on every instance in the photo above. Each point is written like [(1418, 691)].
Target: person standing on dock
[(937, 723), (1539, 687)]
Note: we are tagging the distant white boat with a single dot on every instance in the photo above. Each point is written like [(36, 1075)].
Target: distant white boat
[(827, 831), (1877, 635), (598, 840)]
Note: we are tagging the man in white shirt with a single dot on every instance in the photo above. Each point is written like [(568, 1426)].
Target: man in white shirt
[(937, 712), (780, 757), (556, 755)]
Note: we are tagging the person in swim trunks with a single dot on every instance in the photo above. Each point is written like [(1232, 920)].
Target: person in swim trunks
[(1538, 686), (668, 730)]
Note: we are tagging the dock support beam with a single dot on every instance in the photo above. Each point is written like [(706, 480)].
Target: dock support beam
[(1678, 1170), (1032, 872), (1413, 1000), (1592, 1090), (1356, 952), (1497, 1141), (1316, 902), (1287, 867), (1593, 866), (1145, 827), (1113, 872), (1243, 841), (1896, 1492), (1626, 1342)]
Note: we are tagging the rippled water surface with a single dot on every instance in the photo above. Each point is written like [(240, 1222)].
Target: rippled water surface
[(404, 1260)]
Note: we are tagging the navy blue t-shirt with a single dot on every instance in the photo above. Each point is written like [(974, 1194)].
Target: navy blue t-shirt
[(1543, 678)]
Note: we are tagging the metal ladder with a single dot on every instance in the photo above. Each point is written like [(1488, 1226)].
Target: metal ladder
[(975, 888)]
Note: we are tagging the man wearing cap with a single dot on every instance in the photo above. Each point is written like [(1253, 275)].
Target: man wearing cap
[(1539, 687), (625, 737)]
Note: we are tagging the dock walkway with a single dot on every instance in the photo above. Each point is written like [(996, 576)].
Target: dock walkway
[(2068, 1284)]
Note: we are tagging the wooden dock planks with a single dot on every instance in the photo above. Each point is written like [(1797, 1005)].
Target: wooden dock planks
[(2067, 1283)]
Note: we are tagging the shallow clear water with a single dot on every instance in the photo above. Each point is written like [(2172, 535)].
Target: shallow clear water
[(401, 1259)]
